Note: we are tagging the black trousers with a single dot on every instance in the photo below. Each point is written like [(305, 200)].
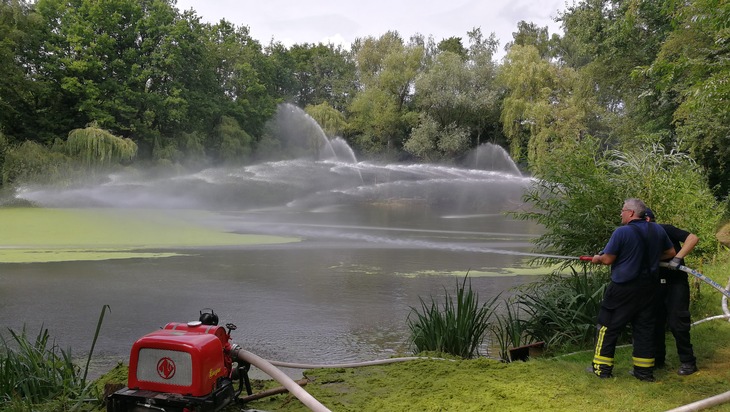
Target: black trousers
[(625, 303), (672, 310)]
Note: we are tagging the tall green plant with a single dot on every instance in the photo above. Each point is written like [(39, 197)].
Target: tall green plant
[(457, 327), (558, 309), (561, 310), (36, 371), (573, 197), (509, 330), (674, 186)]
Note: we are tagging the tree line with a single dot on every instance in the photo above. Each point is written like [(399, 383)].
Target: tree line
[(153, 84)]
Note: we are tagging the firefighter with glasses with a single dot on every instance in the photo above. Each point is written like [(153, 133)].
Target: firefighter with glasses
[(633, 251)]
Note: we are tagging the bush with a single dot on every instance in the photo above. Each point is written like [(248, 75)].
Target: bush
[(577, 196), (458, 327), (562, 310), (30, 162)]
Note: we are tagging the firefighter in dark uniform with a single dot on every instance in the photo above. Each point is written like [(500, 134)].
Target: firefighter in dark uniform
[(672, 301), (633, 251)]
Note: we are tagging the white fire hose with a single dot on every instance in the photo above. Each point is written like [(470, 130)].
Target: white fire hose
[(271, 370), (723, 397)]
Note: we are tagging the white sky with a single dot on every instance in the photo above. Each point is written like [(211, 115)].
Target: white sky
[(341, 22)]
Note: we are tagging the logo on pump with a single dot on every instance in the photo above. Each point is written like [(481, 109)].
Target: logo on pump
[(166, 368)]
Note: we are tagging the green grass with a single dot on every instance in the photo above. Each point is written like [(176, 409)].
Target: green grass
[(46, 235)]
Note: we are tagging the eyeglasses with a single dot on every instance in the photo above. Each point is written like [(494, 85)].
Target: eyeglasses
[(626, 210)]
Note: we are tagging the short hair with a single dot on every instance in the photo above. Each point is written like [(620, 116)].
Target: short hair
[(636, 205)]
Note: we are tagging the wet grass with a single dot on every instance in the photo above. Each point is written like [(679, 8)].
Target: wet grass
[(45, 235)]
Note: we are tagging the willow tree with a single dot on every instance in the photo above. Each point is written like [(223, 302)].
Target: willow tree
[(530, 82), (330, 119), (95, 147)]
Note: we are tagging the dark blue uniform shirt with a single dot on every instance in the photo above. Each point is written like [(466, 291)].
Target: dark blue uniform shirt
[(628, 246)]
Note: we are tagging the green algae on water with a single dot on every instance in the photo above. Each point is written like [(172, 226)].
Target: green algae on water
[(52, 235)]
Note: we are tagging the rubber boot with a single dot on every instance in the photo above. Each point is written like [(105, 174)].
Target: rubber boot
[(687, 368), (643, 374), (602, 371)]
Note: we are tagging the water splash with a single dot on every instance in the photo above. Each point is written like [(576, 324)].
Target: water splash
[(316, 174), (301, 136), (489, 156), (343, 151)]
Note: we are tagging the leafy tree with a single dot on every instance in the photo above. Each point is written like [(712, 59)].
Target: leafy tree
[(453, 45), (323, 73), (231, 143), (375, 120), (27, 100), (280, 73), (329, 119), (31, 162), (423, 142), (241, 69), (380, 114), (95, 147), (608, 39), (546, 106), (90, 57), (3, 149), (529, 34), (531, 83), (458, 95), (692, 73)]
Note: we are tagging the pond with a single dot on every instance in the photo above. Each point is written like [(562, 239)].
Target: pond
[(373, 239)]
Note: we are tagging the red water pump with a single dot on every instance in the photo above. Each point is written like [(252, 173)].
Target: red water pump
[(184, 367)]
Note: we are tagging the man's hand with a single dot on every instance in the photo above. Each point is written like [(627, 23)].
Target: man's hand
[(675, 263)]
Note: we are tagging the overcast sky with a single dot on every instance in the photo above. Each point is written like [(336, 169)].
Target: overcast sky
[(341, 22)]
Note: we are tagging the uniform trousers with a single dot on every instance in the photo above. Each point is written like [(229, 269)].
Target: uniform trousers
[(624, 303)]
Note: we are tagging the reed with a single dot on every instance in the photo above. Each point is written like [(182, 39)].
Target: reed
[(33, 371), (560, 310), (509, 330), (456, 327)]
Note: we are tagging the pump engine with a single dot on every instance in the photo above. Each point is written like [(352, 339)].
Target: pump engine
[(184, 367)]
